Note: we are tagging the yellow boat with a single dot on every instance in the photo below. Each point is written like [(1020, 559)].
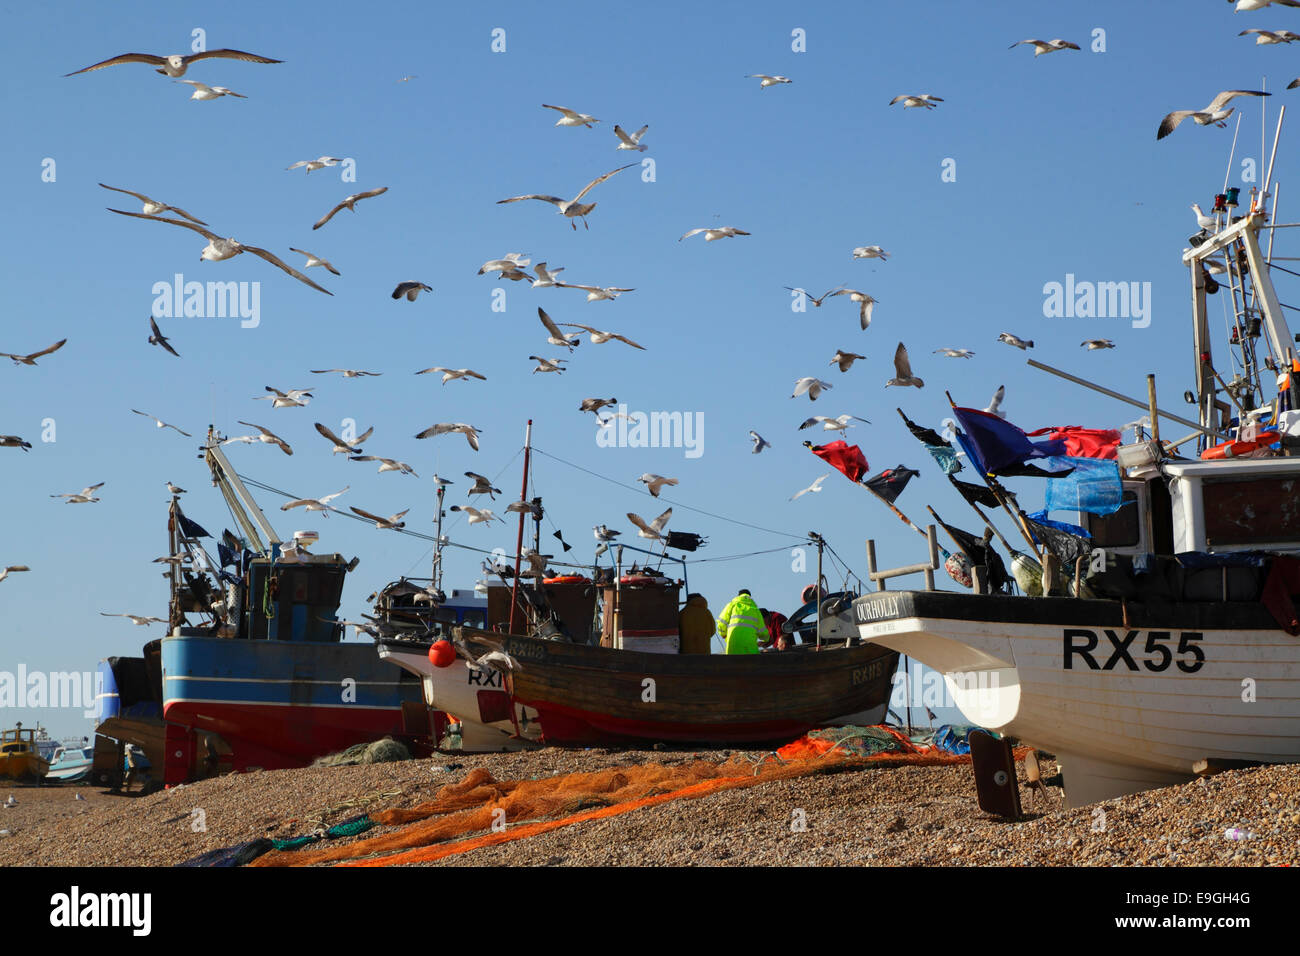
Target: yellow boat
[(19, 757)]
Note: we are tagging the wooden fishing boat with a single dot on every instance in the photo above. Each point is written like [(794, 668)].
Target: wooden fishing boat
[(589, 695), (20, 759)]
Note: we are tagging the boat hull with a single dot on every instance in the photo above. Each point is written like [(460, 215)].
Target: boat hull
[(273, 704), (1125, 705), (586, 695)]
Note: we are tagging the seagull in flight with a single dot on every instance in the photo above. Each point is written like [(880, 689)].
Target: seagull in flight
[(653, 530), (865, 302), (346, 447), (768, 80), (392, 523), (1215, 113), (31, 359), (903, 370), (837, 424), (814, 487), (572, 208), (176, 64), (482, 486), (13, 441), (1046, 46), (350, 203), (477, 515), (137, 619), (715, 232), (219, 249), (157, 338), (290, 399), (315, 260), (444, 428), (314, 504), (845, 359), (1245, 6), (594, 405), (1271, 36), (547, 365), (556, 336), (152, 206), (815, 300), (1019, 343), (84, 496), (954, 353), (572, 117), (656, 482), (1093, 344), (321, 163), (387, 464), (345, 372), (594, 292), (870, 252), (268, 437), (600, 338), (813, 386), (924, 100), (508, 264), (759, 441), (12, 569), (450, 374), (995, 405), (631, 141), (204, 92), (410, 290), (545, 277), (162, 424)]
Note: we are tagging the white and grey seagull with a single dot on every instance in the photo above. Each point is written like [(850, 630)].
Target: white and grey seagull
[(350, 203), (1093, 345), (176, 64), (266, 437), (1046, 46), (1215, 113), (572, 117), (162, 424), (810, 384), (352, 447), (391, 523), (345, 372), (814, 487), (450, 374), (556, 337), (768, 79), (482, 486), (631, 140), (845, 359), (547, 365), (600, 338), (314, 504), (510, 262), (1271, 36), (477, 515), (315, 260), (293, 398), (837, 424), (219, 249), (410, 290), (139, 620), (572, 208), (653, 530), (1015, 341), (545, 277), (82, 497), (995, 405), (387, 464), (865, 302), (923, 100), (759, 441), (321, 163), (31, 358), (954, 353), (903, 370), (445, 428), (656, 482), (596, 293), (204, 92), (152, 206), (870, 252), (715, 232)]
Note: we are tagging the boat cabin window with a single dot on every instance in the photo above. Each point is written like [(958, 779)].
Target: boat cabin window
[(475, 617), (1251, 511), (1123, 529)]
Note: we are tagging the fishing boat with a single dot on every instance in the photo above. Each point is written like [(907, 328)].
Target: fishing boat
[(20, 758), (1175, 648), (582, 660), (71, 764), (266, 681)]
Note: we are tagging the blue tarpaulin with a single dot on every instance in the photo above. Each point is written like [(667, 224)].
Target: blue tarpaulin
[(1094, 486)]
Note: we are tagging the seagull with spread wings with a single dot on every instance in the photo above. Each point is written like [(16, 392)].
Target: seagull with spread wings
[(345, 372), (446, 428), (715, 232), (31, 359), (656, 482), (219, 249), (845, 359), (350, 203), (572, 208), (482, 486), (204, 92), (631, 140), (923, 100), (595, 292), (392, 523), (810, 384), (954, 353), (450, 374), (1215, 113), (477, 515), (162, 424), (1046, 46), (387, 464), (152, 206), (759, 441), (814, 487), (768, 79), (12, 569), (572, 117), (653, 530), (346, 447), (321, 163), (903, 369), (411, 290), (176, 64), (547, 365), (293, 398), (865, 302), (314, 504), (600, 338), (545, 277), (267, 437), (1015, 341), (82, 497), (157, 338), (315, 260), (556, 336), (815, 299), (837, 424), (138, 620)]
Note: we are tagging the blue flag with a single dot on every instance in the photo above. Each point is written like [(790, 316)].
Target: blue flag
[(994, 443)]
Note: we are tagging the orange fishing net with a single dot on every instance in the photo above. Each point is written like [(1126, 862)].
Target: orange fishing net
[(480, 802)]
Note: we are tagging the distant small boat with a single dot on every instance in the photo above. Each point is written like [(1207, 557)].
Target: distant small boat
[(20, 758), (71, 764)]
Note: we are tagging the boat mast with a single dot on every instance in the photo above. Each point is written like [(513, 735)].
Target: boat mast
[(437, 545), (242, 506), (519, 540)]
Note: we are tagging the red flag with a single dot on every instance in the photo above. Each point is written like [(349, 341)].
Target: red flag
[(843, 457), (1083, 442)]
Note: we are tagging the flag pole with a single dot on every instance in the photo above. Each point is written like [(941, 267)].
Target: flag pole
[(983, 517)]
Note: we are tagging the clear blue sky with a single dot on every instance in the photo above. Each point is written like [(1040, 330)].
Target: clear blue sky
[(1057, 171)]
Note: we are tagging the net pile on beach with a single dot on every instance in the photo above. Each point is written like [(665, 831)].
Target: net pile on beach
[(501, 811)]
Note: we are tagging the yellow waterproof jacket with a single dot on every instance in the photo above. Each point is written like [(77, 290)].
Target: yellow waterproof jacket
[(695, 625), (740, 624)]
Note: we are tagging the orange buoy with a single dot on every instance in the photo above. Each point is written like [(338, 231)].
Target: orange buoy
[(1240, 449), (442, 654), (567, 579)]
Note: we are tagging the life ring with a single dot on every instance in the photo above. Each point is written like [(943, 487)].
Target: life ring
[(567, 579), (1240, 449), (642, 579)]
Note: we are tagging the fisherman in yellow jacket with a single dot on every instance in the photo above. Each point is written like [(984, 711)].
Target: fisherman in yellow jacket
[(740, 624)]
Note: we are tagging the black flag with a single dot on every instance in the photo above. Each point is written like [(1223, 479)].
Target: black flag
[(889, 484), (685, 541), (1066, 546), (976, 494), (559, 537)]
